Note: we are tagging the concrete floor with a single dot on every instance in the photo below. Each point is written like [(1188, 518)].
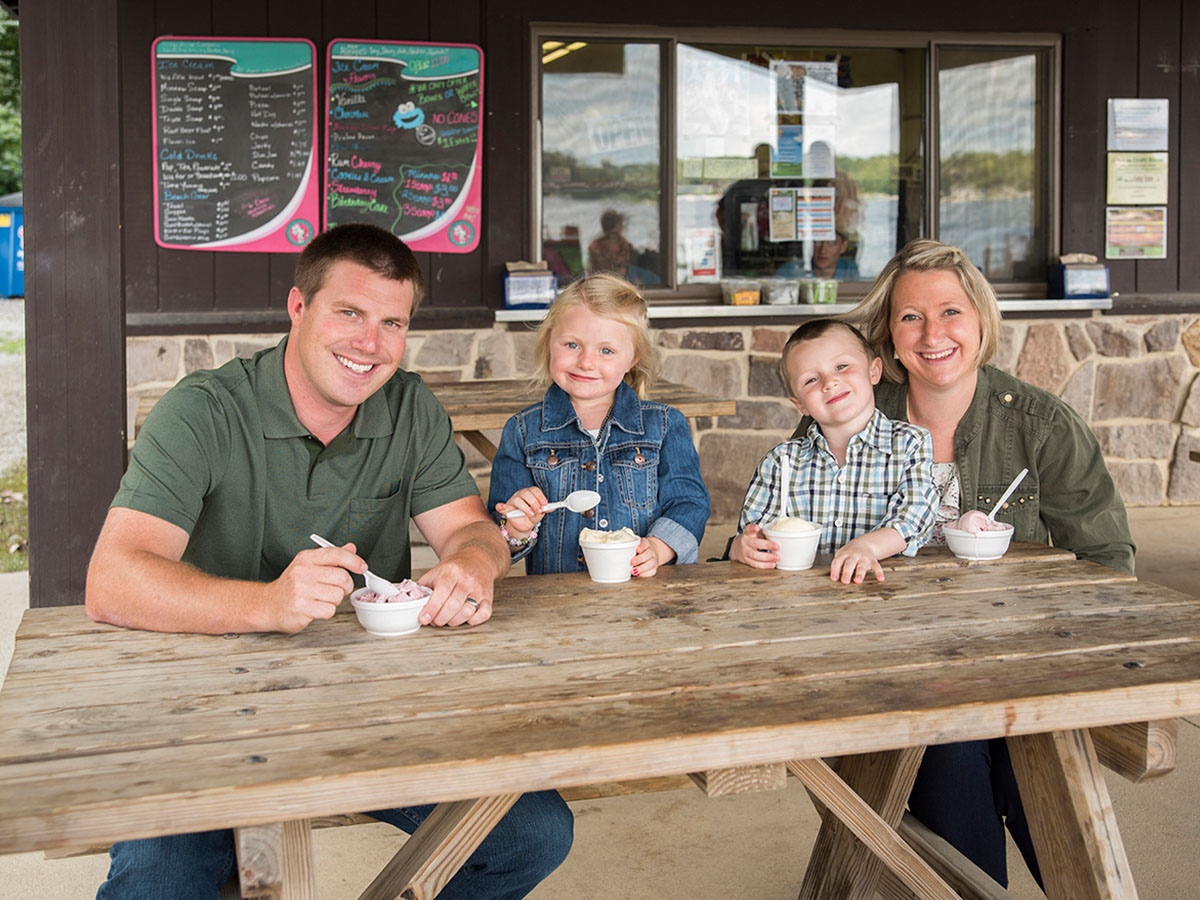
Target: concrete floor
[(754, 846)]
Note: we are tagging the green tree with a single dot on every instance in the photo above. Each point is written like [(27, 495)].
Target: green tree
[(10, 105)]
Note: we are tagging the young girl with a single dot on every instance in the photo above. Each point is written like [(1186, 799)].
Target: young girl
[(594, 430)]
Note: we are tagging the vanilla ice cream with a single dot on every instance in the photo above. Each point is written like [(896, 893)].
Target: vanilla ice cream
[(792, 524), (595, 536)]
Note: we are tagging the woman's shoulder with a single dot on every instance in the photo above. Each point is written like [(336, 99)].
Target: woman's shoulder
[(1002, 391)]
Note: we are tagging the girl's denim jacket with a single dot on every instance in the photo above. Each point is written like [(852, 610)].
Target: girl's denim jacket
[(643, 465)]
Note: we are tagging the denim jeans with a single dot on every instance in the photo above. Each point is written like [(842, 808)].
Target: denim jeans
[(967, 793), (525, 846)]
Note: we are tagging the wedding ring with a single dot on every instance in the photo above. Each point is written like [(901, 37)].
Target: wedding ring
[(473, 602)]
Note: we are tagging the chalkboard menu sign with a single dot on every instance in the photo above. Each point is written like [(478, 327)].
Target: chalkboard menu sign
[(403, 150), (235, 143)]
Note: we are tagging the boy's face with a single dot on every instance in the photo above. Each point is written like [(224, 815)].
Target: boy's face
[(832, 379)]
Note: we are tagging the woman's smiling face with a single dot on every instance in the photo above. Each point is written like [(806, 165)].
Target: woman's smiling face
[(935, 328)]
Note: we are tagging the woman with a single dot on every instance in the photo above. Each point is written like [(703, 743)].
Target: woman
[(934, 320)]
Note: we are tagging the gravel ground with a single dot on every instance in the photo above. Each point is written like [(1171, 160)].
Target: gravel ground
[(12, 385)]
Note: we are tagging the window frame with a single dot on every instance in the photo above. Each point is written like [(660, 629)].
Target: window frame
[(669, 40)]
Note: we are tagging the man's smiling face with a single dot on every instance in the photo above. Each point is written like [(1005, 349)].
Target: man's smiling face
[(345, 342)]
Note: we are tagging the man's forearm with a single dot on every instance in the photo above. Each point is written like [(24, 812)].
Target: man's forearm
[(482, 542)]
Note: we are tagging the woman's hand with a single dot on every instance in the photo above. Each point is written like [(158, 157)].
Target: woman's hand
[(651, 553), (528, 500), (754, 548)]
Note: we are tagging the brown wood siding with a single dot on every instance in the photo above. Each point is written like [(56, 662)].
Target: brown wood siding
[(75, 340)]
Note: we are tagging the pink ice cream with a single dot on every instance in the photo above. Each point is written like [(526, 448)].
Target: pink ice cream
[(409, 590), (975, 522)]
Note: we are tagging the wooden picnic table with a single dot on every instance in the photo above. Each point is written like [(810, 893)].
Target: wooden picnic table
[(479, 406), (732, 674)]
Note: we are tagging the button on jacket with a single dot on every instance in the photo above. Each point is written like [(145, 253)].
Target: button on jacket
[(643, 464)]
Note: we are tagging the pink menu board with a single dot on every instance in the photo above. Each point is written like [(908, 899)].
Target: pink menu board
[(235, 143), (403, 130)]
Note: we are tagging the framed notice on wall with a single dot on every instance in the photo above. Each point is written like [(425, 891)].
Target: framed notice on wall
[(403, 130), (235, 137)]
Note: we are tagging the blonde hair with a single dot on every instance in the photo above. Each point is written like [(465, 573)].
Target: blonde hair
[(873, 314), (611, 297)]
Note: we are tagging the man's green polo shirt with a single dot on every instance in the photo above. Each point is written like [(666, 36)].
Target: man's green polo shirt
[(224, 457)]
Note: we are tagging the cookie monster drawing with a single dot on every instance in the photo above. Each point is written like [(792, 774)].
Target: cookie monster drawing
[(408, 115)]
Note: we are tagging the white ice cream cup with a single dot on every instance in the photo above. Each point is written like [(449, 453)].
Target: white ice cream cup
[(610, 563), (388, 619), (797, 549), (984, 545)]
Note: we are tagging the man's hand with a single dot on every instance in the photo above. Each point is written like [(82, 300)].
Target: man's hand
[(754, 548), (311, 587), (472, 556), (651, 553)]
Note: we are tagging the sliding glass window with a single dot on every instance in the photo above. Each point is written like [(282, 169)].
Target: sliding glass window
[(681, 162)]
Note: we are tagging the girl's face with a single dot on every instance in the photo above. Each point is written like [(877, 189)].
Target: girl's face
[(589, 355)]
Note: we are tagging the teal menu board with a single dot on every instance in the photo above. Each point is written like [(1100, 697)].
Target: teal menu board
[(235, 143), (403, 130)]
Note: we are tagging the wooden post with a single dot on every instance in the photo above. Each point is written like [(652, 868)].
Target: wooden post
[(1071, 819), (276, 861), (866, 796), (438, 849), (741, 779)]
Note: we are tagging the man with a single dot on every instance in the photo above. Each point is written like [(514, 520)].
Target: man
[(233, 470)]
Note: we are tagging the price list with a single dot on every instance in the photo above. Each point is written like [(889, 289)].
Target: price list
[(235, 124), (403, 125)]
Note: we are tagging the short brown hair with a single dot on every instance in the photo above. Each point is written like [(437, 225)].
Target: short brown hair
[(366, 245), (811, 330), (612, 297), (873, 314)]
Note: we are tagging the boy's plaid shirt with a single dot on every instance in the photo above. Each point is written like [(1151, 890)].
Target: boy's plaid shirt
[(887, 481)]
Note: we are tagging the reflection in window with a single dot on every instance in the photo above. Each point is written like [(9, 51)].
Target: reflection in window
[(993, 159), (601, 173), (796, 164)]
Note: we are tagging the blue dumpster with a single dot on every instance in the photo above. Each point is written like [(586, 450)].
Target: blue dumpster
[(12, 247)]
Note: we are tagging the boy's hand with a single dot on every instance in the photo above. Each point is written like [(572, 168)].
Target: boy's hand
[(651, 553), (852, 563), (861, 555), (754, 548), (530, 501)]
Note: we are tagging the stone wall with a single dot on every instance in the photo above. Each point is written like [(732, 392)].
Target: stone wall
[(1134, 378)]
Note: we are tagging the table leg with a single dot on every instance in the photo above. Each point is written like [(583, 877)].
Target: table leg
[(479, 441), (1071, 819), (276, 861), (866, 796), (438, 848)]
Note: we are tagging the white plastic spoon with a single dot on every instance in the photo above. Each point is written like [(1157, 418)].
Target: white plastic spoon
[(379, 585), (1012, 487), (577, 501)]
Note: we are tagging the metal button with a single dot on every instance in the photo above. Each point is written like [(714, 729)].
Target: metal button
[(579, 558), (588, 466), (599, 479), (552, 460), (639, 459), (603, 523), (588, 513), (1008, 398)]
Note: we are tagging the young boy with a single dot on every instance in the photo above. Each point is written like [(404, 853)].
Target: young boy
[(865, 480)]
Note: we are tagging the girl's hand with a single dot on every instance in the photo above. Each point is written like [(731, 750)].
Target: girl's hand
[(530, 501), (754, 548), (651, 553)]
